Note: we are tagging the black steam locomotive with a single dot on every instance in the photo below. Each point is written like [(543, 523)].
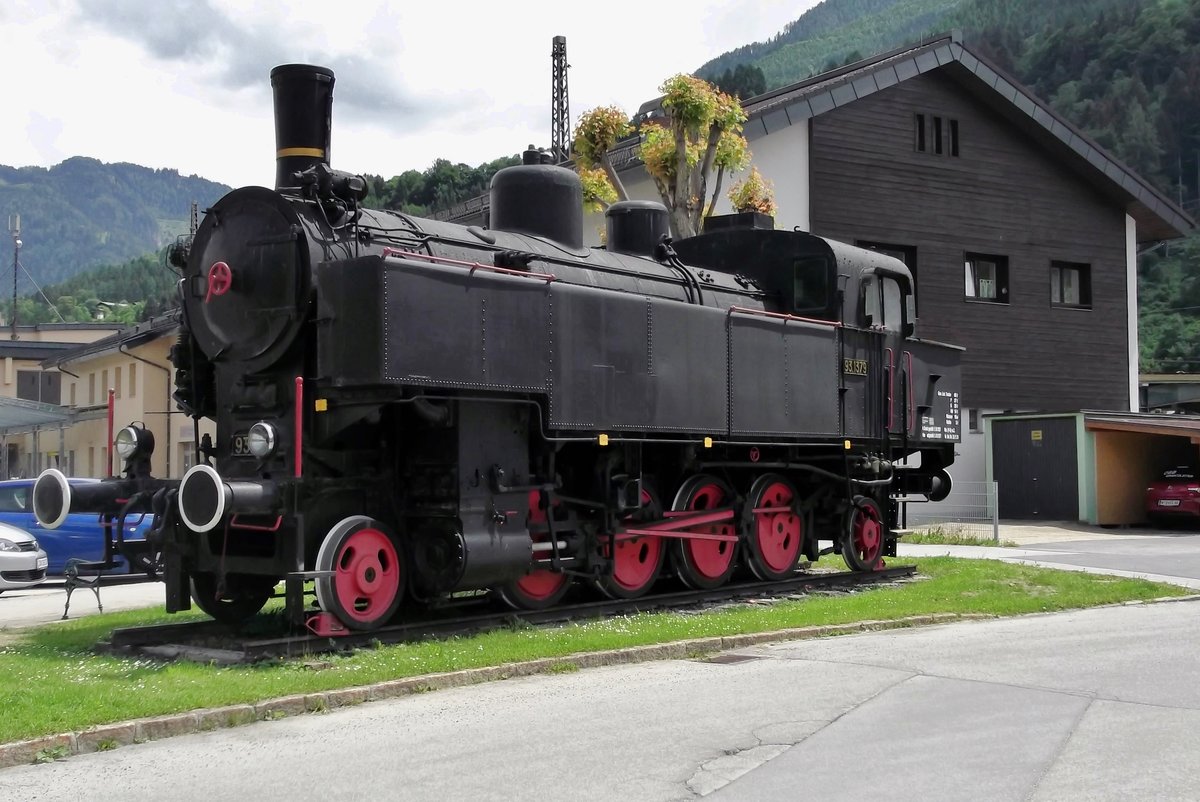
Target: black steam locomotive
[(406, 408)]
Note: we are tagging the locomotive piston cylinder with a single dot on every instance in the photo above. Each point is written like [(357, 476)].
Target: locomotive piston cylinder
[(303, 119), (205, 499)]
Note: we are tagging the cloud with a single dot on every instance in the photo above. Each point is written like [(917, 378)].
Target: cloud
[(239, 55), (44, 133)]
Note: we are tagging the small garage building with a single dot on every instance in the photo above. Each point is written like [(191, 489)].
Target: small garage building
[(1084, 466)]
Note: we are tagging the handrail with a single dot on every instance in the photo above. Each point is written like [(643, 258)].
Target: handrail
[(444, 260), (781, 316), (909, 384), (891, 355)]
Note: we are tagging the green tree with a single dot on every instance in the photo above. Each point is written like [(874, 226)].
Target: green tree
[(703, 133)]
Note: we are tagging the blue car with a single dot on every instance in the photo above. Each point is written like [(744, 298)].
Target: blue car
[(80, 535)]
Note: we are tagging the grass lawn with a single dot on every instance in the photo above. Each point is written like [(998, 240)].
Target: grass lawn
[(50, 681), (939, 536)]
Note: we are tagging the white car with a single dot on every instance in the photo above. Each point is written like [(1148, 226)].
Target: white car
[(22, 561)]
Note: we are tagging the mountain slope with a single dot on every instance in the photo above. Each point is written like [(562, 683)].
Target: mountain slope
[(833, 31), (83, 213)]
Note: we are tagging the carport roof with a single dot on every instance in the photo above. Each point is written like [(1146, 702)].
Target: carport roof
[(1171, 425), (17, 413)]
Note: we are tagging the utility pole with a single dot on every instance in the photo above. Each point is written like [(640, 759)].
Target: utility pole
[(14, 228), (560, 107)]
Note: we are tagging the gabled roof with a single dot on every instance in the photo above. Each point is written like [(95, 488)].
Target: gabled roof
[(1156, 215), (1158, 218), (129, 337), (32, 350)]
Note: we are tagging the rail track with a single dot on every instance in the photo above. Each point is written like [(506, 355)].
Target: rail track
[(212, 642)]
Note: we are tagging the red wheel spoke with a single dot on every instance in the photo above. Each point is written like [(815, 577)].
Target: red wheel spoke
[(541, 587), (636, 561), (705, 563), (367, 582), (867, 536), (776, 530)]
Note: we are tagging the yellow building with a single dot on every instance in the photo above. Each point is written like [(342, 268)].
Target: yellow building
[(134, 365), (30, 395)]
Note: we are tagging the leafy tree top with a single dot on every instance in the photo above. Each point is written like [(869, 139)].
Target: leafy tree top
[(701, 132)]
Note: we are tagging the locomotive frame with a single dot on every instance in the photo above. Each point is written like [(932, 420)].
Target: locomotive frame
[(407, 409)]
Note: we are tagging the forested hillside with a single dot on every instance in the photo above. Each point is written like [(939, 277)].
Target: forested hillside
[(136, 290), (84, 213), (833, 32)]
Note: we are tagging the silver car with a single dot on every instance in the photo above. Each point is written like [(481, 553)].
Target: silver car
[(22, 561)]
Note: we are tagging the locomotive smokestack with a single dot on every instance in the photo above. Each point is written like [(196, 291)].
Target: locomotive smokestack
[(303, 119)]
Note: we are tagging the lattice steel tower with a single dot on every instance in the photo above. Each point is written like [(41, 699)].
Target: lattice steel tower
[(560, 106)]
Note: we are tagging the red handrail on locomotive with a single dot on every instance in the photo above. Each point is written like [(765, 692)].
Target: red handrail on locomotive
[(546, 277)]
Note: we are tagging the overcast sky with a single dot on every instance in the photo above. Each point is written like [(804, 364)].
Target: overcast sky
[(184, 83)]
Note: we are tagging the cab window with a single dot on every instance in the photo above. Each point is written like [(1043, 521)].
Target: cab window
[(811, 286), (883, 303)]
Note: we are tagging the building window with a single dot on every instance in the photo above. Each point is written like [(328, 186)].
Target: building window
[(73, 386), (973, 420), (133, 380), (1071, 285), (986, 277), (939, 137), (91, 389), (117, 381), (91, 461)]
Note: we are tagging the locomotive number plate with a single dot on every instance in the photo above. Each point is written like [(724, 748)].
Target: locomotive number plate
[(854, 367), (241, 444)]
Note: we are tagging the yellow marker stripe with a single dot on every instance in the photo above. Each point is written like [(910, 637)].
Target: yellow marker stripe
[(316, 153)]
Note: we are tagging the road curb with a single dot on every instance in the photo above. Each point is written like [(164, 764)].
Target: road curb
[(105, 737)]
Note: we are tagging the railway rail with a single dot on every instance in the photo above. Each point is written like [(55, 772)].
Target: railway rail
[(194, 640)]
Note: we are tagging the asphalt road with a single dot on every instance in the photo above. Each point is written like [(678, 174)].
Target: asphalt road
[(1097, 704)]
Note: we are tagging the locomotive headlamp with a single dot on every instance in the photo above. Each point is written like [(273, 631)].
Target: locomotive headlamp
[(133, 441), (261, 439)]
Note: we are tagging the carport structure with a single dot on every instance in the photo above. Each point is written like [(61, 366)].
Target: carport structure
[(18, 418), (1084, 466)]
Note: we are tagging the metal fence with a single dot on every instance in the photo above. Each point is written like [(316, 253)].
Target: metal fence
[(968, 512)]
